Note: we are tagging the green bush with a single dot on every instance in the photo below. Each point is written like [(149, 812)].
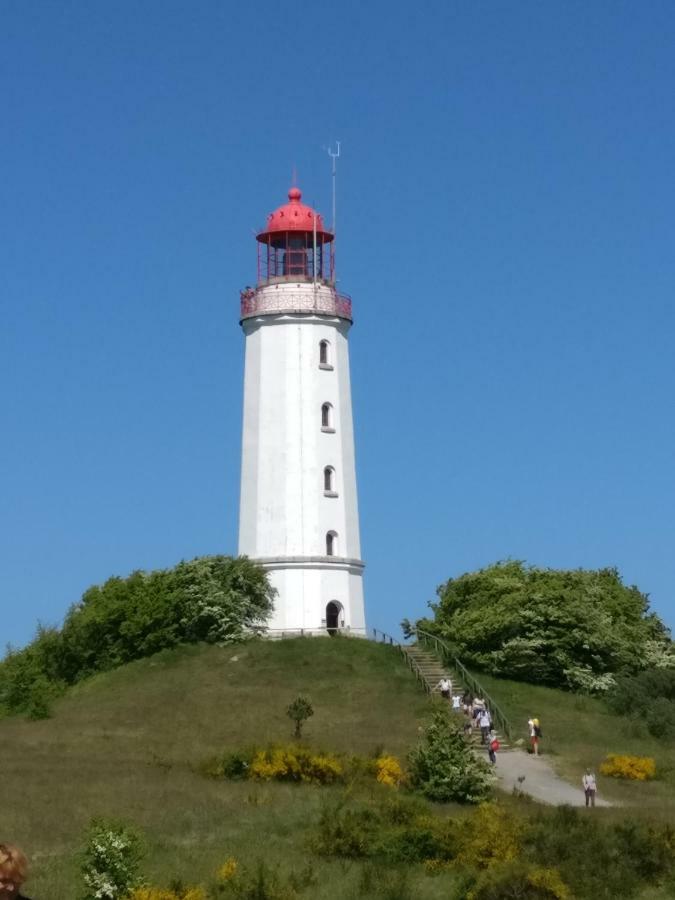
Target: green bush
[(419, 841), (648, 696), (110, 861), (215, 599), (576, 629), (444, 768), (346, 833), (236, 765), (599, 861), (396, 831), (660, 718)]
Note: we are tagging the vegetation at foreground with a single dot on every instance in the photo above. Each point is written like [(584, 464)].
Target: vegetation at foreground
[(574, 629), (126, 745), (216, 599), (494, 853), (505, 851)]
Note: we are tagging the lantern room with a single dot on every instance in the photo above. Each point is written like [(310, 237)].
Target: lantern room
[(295, 245)]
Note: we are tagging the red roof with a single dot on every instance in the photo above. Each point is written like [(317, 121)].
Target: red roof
[(295, 216)]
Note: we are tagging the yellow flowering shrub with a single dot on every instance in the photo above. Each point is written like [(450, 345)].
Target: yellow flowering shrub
[(636, 768), (155, 893), (228, 870), (295, 764), (388, 771), (489, 836), (550, 882), (298, 763)]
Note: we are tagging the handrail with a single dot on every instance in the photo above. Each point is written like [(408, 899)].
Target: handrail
[(282, 633), (448, 657), (386, 638)]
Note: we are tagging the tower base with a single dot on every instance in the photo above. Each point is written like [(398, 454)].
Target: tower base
[(305, 582)]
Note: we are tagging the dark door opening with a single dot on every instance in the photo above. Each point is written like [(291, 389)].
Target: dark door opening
[(332, 617)]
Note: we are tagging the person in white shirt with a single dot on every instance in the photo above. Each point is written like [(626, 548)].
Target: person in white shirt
[(445, 687), (590, 787), (456, 702), (485, 723)]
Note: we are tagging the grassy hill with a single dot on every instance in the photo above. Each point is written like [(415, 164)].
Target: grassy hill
[(123, 745), (126, 745)]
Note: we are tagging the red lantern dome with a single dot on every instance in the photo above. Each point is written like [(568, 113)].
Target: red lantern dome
[(295, 216), (294, 244)]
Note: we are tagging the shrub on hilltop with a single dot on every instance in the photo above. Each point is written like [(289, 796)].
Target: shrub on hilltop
[(216, 599), (566, 628), (648, 696)]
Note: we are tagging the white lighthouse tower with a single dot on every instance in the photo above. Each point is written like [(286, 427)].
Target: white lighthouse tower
[(298, 512)]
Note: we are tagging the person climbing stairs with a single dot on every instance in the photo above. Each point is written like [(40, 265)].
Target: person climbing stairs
[(431, 670)]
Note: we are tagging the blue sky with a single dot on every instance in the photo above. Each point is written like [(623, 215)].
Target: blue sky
[(506, 229)]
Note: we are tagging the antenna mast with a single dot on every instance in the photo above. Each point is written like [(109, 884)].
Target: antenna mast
[(334, 156)]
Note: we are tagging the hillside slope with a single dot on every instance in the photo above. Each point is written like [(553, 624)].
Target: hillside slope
[(123, 745)]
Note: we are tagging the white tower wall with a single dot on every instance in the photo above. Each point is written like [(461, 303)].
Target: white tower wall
[(285, 513)]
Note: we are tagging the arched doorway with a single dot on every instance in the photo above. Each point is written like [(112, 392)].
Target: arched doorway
[(333, 612)]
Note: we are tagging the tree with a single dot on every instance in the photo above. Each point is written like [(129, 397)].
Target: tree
[(444, 767), (299, 711), (568, 628)]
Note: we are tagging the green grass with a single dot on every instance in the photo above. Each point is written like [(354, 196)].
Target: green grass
[(580, 731), (123, 745)]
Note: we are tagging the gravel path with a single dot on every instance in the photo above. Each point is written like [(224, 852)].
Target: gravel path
[(540, 781)]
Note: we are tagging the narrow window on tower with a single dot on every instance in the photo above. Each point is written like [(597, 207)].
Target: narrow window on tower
[(329, 482), (324, 355), (331, 543), (327, 418)]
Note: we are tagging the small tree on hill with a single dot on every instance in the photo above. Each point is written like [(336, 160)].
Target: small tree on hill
[(110, 861), (299, 711), (444, 768)]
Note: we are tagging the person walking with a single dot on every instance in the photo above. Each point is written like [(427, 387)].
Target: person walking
[(484, 724), (537, 736), (590, 787), (493, 746), (456, 702), (445, 687)]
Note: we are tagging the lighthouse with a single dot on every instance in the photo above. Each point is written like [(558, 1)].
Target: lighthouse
[(298, 515)]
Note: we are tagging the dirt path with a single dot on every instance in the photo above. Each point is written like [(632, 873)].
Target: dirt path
[(540, 780)]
